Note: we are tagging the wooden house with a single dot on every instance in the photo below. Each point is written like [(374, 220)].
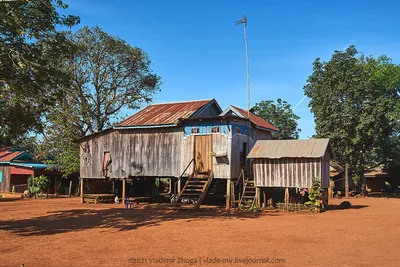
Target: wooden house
[(193, 139), (16, 166), (291, 163)]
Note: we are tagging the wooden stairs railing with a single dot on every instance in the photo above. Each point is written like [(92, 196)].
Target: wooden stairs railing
[(196, 188), (247, 201)]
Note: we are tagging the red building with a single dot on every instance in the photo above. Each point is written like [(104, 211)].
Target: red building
[(17, 165)]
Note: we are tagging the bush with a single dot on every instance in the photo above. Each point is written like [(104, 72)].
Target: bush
[(37, 185), (315, 195)]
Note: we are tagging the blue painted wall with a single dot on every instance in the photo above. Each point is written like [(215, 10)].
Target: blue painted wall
[(225, 128)]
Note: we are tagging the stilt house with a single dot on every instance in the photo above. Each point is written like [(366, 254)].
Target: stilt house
[(193, 139)]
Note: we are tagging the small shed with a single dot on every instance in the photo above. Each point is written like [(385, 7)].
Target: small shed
[(291, 163)]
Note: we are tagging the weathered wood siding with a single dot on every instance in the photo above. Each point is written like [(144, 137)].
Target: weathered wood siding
[(237, 147), (5, 184), (220, 143), (261, 135), (136, 152), (290, 172), (325, 174)]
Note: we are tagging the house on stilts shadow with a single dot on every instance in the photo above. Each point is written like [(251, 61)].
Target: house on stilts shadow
[(193, 145), (290, 165)]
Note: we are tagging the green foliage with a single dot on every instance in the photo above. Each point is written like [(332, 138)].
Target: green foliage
[(315, 195), (38, 184), (281, 116), (107, 75), (30, 73), (33, 190), (354, 100), (249, 206)]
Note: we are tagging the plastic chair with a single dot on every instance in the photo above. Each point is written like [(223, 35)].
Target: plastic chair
[(128, 204)]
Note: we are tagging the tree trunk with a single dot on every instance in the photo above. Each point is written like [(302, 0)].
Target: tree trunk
[(346, 180), (362, 178)]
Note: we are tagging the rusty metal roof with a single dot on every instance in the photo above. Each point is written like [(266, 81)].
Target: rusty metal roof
[(6, 156), (275, 149), (258, 121), (163, 114)]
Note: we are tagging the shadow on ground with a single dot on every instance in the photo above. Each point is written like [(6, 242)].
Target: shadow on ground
[(10, 199), (352, 207), (114, 218)]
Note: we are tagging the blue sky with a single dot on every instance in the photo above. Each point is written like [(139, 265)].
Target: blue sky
[(199, 53)]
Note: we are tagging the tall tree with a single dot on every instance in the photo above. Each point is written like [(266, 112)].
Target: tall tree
[(107, 75), (30, 49), (281, 115), (353, 98)]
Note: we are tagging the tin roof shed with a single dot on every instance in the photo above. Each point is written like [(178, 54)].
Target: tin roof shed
[(276, 149), (291, 163)]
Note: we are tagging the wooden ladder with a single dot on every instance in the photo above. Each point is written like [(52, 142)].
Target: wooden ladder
[(247, 201), (196, 188)]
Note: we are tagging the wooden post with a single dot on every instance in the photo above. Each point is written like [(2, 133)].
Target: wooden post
[(228, 194), (264, 190), (179, 186), (123, 190), (153, 187), (170, 186), (346, 181), (55, 186), (258, 197), (287, 195), (70, 188), (82, 181)]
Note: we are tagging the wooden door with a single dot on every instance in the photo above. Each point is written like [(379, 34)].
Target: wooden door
[(203, 153)]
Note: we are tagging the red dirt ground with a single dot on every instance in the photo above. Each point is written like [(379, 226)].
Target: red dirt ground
[(64, 232)]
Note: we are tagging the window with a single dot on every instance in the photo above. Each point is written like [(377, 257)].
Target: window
[(106, 168), (238, 130), (215, 129), (195, 130)]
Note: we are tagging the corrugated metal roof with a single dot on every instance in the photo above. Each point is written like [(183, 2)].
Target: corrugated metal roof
[(258, 121), (275, 149), (163, 114), (34, 165), (6, 156)]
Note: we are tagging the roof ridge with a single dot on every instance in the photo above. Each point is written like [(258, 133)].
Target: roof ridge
[(180, 102)]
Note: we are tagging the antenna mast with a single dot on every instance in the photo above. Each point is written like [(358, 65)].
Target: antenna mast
[(244, 22)]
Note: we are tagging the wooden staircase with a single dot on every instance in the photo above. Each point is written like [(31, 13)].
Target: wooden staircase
[(196, 188), (247, 201)]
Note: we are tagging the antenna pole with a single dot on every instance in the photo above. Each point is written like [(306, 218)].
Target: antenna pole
[(244, 22)]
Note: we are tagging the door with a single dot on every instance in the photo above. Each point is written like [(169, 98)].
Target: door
[(203, 153)]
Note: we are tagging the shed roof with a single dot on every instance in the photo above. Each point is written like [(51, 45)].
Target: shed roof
[(275, 149), (258, 121), (164, 114)]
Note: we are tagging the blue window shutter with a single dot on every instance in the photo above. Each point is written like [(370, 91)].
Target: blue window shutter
[(1, 176)]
